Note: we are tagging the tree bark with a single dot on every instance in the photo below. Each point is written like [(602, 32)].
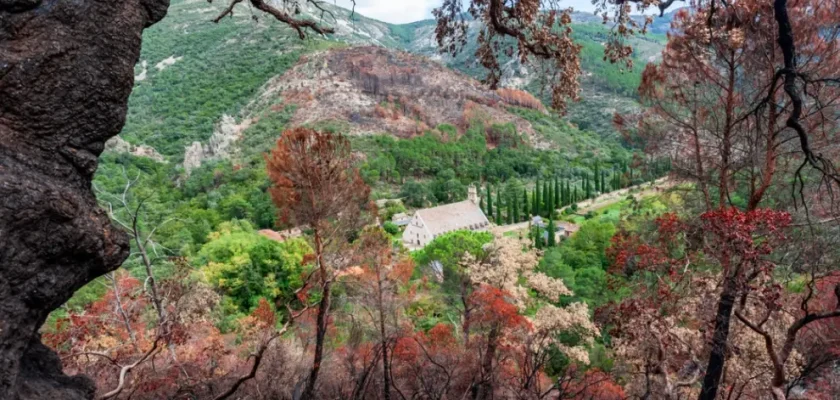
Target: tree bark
[(717, 358), (321, 322), (66, 70), (383, 340), (485, 387)]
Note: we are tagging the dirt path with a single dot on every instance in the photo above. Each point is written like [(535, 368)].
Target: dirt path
[(643, 190), (607, 199)]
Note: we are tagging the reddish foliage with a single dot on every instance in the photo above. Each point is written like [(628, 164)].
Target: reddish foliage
[(520, 98), (264, 314), (596, 384), (821, 338), (492, 308), (738, 237)]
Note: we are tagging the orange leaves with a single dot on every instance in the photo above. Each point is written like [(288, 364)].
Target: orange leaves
[(315, 179), (493, 308), (520, 98), (401, 271), (264, 314), (597, 385)]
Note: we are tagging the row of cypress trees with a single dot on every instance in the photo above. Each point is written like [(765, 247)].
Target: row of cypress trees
[(550, 194)]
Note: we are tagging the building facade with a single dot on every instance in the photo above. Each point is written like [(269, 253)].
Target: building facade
[(429, 223)]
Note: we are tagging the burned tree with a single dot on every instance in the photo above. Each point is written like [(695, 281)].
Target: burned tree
[(66, 70), (316, 185)]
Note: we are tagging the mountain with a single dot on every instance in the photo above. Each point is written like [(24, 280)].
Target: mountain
[(605, 88), (201, 82)]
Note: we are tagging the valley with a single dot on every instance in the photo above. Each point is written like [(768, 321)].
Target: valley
[(315, 204)]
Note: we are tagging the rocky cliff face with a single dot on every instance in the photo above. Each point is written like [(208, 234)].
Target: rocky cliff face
[(222, 144), (66, 70), (117, 145)]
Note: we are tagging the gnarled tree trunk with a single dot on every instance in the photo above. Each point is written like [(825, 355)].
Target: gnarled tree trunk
[(66, 70)]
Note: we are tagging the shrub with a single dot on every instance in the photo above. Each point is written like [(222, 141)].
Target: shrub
[(391, 228)]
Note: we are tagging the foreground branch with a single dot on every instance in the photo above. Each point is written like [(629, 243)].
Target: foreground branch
[(127, 368), (299, 25), (258, 357)]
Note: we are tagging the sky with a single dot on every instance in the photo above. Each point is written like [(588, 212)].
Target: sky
[(404, 11)]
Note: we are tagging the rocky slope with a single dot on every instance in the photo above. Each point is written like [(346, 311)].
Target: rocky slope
[(192, 73), (376, 90)]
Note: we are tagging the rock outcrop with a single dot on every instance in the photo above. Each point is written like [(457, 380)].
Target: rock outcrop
[(66, 70), (116, 144), (220, 146)]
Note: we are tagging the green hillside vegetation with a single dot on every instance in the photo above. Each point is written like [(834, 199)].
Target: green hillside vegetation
[(222, 67)]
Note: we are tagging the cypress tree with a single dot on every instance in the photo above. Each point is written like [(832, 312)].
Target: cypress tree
[(551, 232), (515, 207), (525, 207), (549, 202), (498, 207), (489, 211), (537, 198), (556, 193), (509, 212), (567, 197), (603, 183), (546, 200)]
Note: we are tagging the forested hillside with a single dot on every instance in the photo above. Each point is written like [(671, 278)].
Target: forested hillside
[(192, 72), (671, 235)]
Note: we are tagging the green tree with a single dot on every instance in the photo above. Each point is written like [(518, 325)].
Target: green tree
[(546, 201), (448, 250), (391, 228), (489, 210), (499, 220), (416, 194), (552, 231), (246, 266), (525, 206)]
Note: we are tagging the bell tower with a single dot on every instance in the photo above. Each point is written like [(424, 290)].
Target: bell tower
[(472, 194)]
